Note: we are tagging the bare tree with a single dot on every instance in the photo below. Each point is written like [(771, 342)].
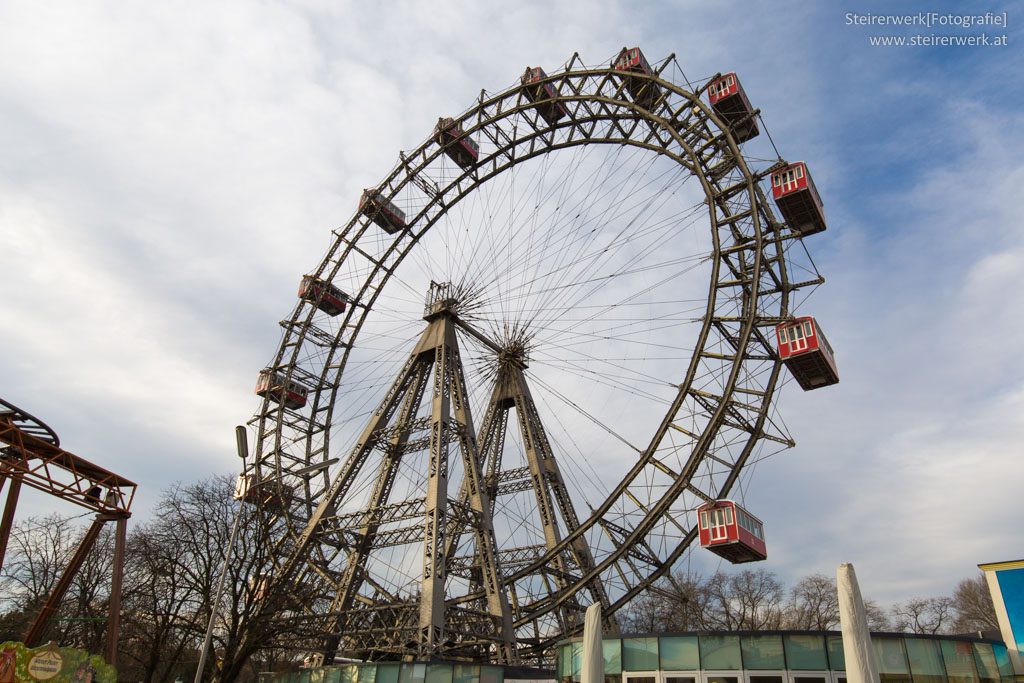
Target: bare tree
[(158, 611), (749, 600), (195, 521), (972, 603), (878, 618), (746, 600), (676, 603), (39, 551), (924, 615), (813, 604), (171, 568), (86, 606)]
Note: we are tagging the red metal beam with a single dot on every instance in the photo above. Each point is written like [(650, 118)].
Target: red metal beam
[(33, 456), (44, 466), (114, 616), (8, 519), (35, 631)]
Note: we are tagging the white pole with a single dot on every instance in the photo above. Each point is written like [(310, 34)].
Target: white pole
[(861, 661), (593, 656), (215, 607), (243, 450)]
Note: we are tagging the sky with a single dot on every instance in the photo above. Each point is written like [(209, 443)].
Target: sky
[(168, 171)]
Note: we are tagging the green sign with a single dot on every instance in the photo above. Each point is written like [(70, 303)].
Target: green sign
[(52, 664)]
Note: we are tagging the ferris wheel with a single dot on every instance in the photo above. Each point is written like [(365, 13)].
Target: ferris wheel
[(543, 347)]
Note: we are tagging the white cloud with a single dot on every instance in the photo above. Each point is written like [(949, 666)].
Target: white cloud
[(169, 171), (910, 464)]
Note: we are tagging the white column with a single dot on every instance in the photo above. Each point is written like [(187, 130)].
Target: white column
[(593, 656), (861, 661)]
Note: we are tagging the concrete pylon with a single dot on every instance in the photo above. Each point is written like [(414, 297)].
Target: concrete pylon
[(593, 656), (861, 660)]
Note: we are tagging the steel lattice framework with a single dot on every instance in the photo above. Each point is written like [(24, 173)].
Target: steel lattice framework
[(477, 596), (30, 454)]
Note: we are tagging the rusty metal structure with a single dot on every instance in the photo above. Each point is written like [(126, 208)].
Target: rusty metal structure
[(608, 281), (30, 454)]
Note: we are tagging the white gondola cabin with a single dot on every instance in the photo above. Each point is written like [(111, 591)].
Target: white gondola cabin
[(543, 95), (731, 532), (807, 353), (797, 198), (323, 295), (726, 96), (381, 211), (276, 387), (632, 62), (461, 148), (248, 489)]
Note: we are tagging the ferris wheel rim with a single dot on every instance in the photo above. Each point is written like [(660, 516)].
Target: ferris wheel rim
[(303, 315)]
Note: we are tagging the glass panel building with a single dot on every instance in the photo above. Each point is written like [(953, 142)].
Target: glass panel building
[(788, 657), (709, 657), (404, 672)]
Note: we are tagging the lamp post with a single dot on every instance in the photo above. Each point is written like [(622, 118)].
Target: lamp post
[(242, 443)]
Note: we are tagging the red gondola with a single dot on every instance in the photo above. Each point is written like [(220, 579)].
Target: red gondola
[(249, 490), (797, 198), (730, 102), (543, 95), (807, 353), (632, 61), (274, 386), (461, 148), (326, 296), (381, 211), (731, 532)]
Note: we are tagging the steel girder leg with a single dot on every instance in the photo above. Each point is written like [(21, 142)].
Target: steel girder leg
[(114, 614), (35, 631), (8, 518)]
